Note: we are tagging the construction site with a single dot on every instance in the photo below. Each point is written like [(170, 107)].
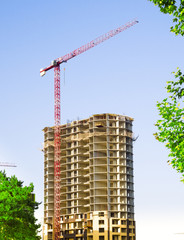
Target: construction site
[(97, 196), (88, 170)]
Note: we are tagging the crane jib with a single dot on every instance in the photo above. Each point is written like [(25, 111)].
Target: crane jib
[(87, 46)]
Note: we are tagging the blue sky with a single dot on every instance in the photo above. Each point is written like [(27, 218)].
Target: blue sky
[(124, 75)]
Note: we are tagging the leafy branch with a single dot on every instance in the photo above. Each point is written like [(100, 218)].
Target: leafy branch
[(176, 10), (171, 125)]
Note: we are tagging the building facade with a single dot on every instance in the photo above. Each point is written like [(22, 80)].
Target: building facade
[(97, 187)]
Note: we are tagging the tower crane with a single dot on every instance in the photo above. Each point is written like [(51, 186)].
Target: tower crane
[(57, 117), (4, 164)]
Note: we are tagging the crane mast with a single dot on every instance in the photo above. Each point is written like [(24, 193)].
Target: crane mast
[(57, 115), (57, 145)]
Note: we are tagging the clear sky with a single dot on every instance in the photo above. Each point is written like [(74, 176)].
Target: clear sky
[(124, 75)]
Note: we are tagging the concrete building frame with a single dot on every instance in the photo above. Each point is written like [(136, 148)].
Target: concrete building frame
[(97, 186)]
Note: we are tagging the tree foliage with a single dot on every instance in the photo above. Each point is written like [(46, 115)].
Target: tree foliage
[(171, 125), (176, 9), (17, 205)]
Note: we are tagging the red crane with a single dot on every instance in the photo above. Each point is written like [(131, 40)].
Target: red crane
[(57, 141), (4, 164)]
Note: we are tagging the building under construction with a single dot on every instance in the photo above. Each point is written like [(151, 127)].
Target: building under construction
[(96, 185)]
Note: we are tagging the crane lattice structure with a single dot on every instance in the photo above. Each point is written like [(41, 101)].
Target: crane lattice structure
[(57, 116), (4, 164)]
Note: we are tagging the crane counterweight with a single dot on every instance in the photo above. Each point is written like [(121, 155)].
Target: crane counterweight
[(42, 73)]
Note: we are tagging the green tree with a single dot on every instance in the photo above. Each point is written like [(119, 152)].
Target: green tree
[(171, 125), (176, 9), (17, 205)]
